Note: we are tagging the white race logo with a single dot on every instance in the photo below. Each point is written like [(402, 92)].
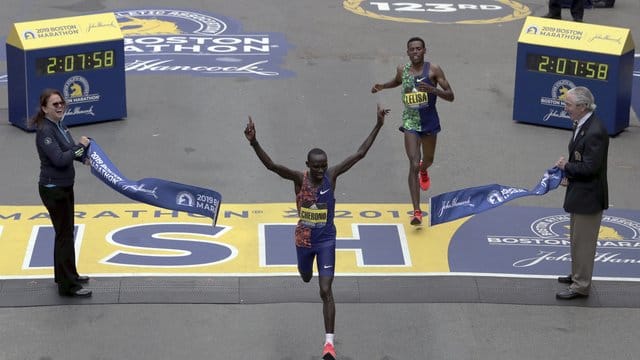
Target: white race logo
[(185, 199)]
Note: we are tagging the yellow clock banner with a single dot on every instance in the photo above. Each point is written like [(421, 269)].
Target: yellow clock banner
[(49, 33), (576, 36)]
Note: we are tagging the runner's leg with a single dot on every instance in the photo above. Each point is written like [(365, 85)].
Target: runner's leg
[(328, 304), (326, 261), (428, 150), (305, 262), (412, 148)]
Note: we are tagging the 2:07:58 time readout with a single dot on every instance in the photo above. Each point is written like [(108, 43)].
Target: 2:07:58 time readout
[(567, 66), (95, 60)]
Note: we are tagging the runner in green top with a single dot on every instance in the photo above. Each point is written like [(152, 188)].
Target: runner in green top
[(422, 83)]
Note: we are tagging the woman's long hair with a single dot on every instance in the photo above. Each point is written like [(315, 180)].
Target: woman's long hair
[(36, 120)]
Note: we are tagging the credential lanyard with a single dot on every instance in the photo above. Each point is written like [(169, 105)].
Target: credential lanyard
[(63, 131)]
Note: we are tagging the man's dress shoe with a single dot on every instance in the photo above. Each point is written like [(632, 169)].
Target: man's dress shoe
[(82, 279), (565, 279), (603, 4), (82, 292), (549, 16), (569, 294)]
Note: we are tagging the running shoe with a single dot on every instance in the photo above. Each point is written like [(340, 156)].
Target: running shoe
[(416, 219), (328, 353), (425, 181)]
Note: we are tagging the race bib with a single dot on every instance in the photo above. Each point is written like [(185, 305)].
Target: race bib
[(416, 99), (313, 217)]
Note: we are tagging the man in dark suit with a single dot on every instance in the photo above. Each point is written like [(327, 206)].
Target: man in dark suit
[(587, 190), (555, 10)]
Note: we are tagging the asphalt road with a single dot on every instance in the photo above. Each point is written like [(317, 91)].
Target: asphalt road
[(191, 128)]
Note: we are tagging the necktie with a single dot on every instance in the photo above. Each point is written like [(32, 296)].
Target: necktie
[(576, 128)]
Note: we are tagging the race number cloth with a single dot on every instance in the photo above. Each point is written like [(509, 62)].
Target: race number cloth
[(456, 204), (156, 192)]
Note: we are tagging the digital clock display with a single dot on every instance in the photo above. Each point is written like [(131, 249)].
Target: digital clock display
[(94, 60), (568, 67)]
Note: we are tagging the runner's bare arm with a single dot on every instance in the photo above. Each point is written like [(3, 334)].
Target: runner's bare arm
[(396, 81), (283, 171), (347, 163), (445, 91)]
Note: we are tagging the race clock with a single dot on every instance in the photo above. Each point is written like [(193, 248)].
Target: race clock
[(560, 65), (555, 56), (81, 56), (69, 63)]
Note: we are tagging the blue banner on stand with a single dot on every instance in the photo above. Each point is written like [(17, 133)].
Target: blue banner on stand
[(156, 192), (460, 203)]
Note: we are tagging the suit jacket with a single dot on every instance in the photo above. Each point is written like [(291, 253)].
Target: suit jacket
[(586, 169)]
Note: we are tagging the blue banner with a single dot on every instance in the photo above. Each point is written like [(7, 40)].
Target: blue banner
[(156, 192), (460, 203)]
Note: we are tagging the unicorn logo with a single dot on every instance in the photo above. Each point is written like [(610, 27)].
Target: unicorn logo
[(605, 233), (184, 41), (612, 228), (29, 35), (563, 92), (185, 199), (75, 87), (76, 90), (136, 26), (560, 89)]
